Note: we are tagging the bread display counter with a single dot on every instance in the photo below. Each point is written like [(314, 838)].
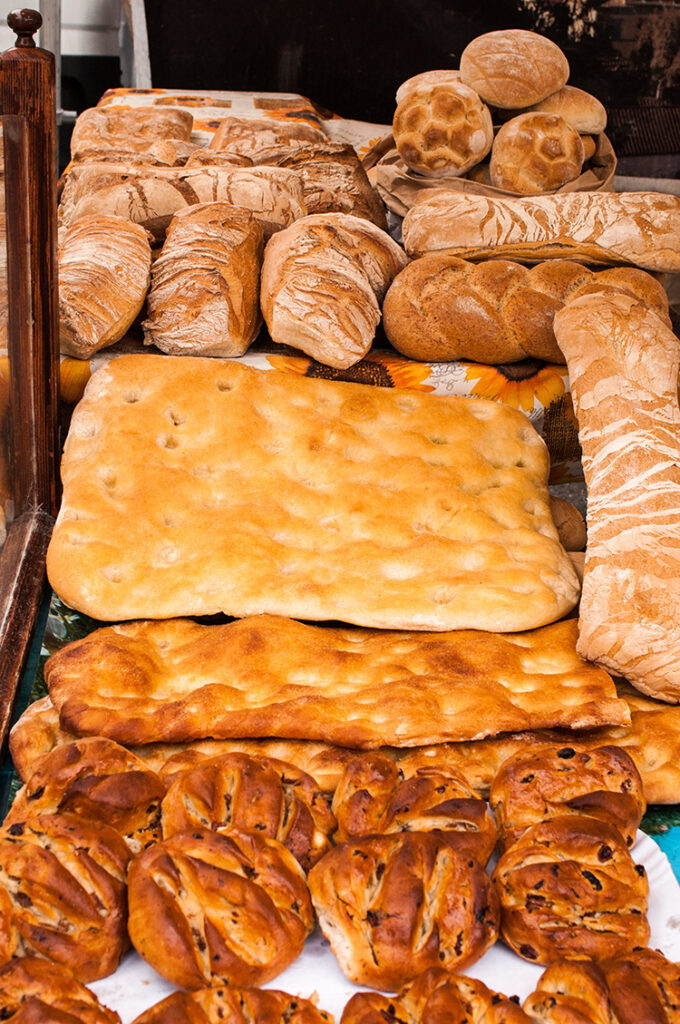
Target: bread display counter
[(317, 709)]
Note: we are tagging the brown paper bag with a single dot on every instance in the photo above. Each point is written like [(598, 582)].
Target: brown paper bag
[(399, 186)]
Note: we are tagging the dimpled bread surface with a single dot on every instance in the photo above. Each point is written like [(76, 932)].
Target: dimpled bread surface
[(194, 486)]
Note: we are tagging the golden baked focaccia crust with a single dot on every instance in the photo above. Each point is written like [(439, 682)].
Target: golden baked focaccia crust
[(194, 486), (268, 676)]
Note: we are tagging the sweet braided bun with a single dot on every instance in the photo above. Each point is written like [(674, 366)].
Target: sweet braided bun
[(569, 887), (441, 307), (34, 990), (370, 894), (535, 153), (442, 128), (207, 908), (373, 797), (513, 68), (234, 1006), (547, 782), (64, 895), (641, 987), (435, 995), (99, 780), (256, 793)]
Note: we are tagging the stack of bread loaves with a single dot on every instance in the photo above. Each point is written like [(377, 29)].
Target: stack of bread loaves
[(443, 124)]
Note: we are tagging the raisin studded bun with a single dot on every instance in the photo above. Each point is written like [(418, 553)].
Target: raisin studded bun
[(640, 988), (442, 128), (552, 780), (35, 990), (99, 780), (393, 906), (373, 797), (536, 153), (259, 793), (207, 908), (569, 888), (234, 1006), (64, 895), (435, 995)]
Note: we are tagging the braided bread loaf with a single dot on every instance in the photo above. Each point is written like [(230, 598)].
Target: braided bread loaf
[(441, 307)]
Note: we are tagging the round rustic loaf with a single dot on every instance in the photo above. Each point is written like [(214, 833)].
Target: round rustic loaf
[(435, 995), (442, 129), (441, 307), (426, 79), (373, 797), (59, 902), (35, 991), (234, 1006), (256, 793), (513, 68), (569, 888), (207, 908), (549, 781), (99, 780), (370, 894), (579, 108), (535, 153), (642, 986)]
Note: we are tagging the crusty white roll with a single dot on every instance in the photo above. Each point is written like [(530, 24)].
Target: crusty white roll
[(513, 68), (442, 129), (323, 280), (623, 367), (535, 153), (579, 108)]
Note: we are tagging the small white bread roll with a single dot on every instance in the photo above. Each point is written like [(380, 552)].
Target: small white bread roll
[(426, 78), (442, 129), (513, 68), (535, 153), (579, 108)]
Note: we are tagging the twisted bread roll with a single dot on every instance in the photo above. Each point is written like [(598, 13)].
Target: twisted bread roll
[(538, 784), (642, 228), (435, 995), (370, 896), (204, 297), (35, 991), (234, 1006), (100, 781), (322, 283), (443, 308), (104, 273), (623, 366), (568, 887), (58, 903), (374, 797), (207, 908), (261, 794)]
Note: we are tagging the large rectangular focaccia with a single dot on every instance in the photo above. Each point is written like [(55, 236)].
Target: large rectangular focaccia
[(195, 486), (267, 676)]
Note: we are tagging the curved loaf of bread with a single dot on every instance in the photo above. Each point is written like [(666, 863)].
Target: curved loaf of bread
[(323, 281), (641, 228), (204, 297), (104, 273), (441, 307), (623, 366)]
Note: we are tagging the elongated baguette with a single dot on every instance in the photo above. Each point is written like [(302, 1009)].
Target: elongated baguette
[(640, 228), (104, 268), (623, 366)]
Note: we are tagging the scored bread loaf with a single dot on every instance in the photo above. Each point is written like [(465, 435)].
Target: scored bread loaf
[(323, 281), (213, 158), (135, 128), (442, 308), (641, 228), (535, 152), (233, 1006), (104, 273), (35, 991), (205, 289), (623, 366), (255, 137), (151, 196), (513, 68)]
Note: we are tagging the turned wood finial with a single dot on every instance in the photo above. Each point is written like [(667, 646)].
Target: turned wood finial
[(25, 23)]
